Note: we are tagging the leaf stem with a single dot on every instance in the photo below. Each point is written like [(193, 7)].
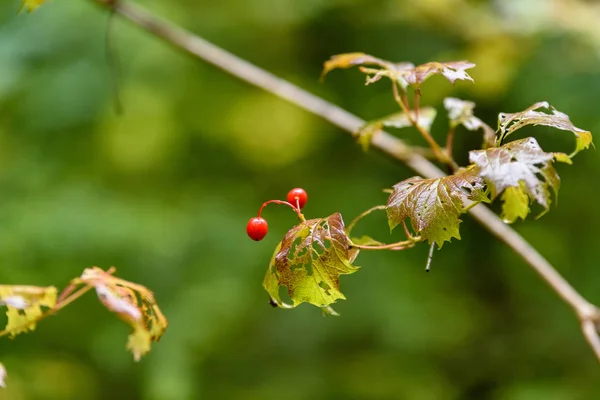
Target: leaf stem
[(405, 244), (361, 216), (449, 140), (437, 150)]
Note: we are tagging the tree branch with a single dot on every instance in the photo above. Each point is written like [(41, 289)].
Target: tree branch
[(588, 314)]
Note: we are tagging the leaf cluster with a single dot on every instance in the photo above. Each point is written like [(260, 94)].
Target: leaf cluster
[(315, 253)]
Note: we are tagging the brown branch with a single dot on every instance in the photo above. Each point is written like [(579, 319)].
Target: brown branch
[(588, 314)]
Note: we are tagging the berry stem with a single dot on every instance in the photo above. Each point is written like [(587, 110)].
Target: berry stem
[(296, 209)]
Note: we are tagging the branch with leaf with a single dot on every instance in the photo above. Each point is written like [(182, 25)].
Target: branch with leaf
[(133, 303), (314, 253)]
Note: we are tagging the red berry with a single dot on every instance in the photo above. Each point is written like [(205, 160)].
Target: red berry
[(257, 228), (298, 194)]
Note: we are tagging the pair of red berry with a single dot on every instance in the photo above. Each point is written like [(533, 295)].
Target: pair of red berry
[(258, 228)]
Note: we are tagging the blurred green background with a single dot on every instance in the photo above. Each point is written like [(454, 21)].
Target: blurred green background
[(164, 191)]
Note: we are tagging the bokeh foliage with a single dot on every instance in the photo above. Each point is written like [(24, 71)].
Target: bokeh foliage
[(164, 191)]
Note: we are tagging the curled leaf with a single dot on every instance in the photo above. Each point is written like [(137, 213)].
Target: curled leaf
[(133, 303), (509, 123), (434, 205), (398, 120), (523, 166), (25, 304), (309, 262), (460, 112)]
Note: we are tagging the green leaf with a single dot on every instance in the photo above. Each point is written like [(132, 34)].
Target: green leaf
[(515, 204), (24, 305), (397, 120), (434, 205), (460, 112), (509, 123), (309, 262), (403, 73), (523, 165), (31, 5)]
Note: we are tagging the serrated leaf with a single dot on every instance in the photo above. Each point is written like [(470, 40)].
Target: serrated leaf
[(434, 205), (398, 120), (309, 262), (460, 112), (509, 123), (521, 164), (25, 304), (404, 73), (133, 303), (31, 5)]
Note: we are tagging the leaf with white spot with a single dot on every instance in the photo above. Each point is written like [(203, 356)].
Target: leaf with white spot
[(25, 305), (523, 166)]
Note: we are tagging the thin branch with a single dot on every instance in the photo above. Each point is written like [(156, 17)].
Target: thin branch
[(361, 216), (242, 69)]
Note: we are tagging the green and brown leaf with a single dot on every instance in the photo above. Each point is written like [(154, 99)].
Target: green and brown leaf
[(520, 170), (509, 123), (25, 305), (309, 262), (434, 205)]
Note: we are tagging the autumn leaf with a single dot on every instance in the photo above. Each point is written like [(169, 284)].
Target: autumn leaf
[(460, 112), (398, 120), (133, 303), (403, 73), (25, 305), (309, 262), (523, 166), (31, 5), (509, 123), (434, 205)]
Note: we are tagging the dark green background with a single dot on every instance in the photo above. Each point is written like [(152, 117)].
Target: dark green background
[(163, 192)]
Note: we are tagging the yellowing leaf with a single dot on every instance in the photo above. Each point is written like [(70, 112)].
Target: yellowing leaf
[(460, 112), (133, 303), (523, 165), (509, 123), (403, 73), (309, 262), (24, 305), (434, 205), (31, 5), (397, 120), (515, 204)]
